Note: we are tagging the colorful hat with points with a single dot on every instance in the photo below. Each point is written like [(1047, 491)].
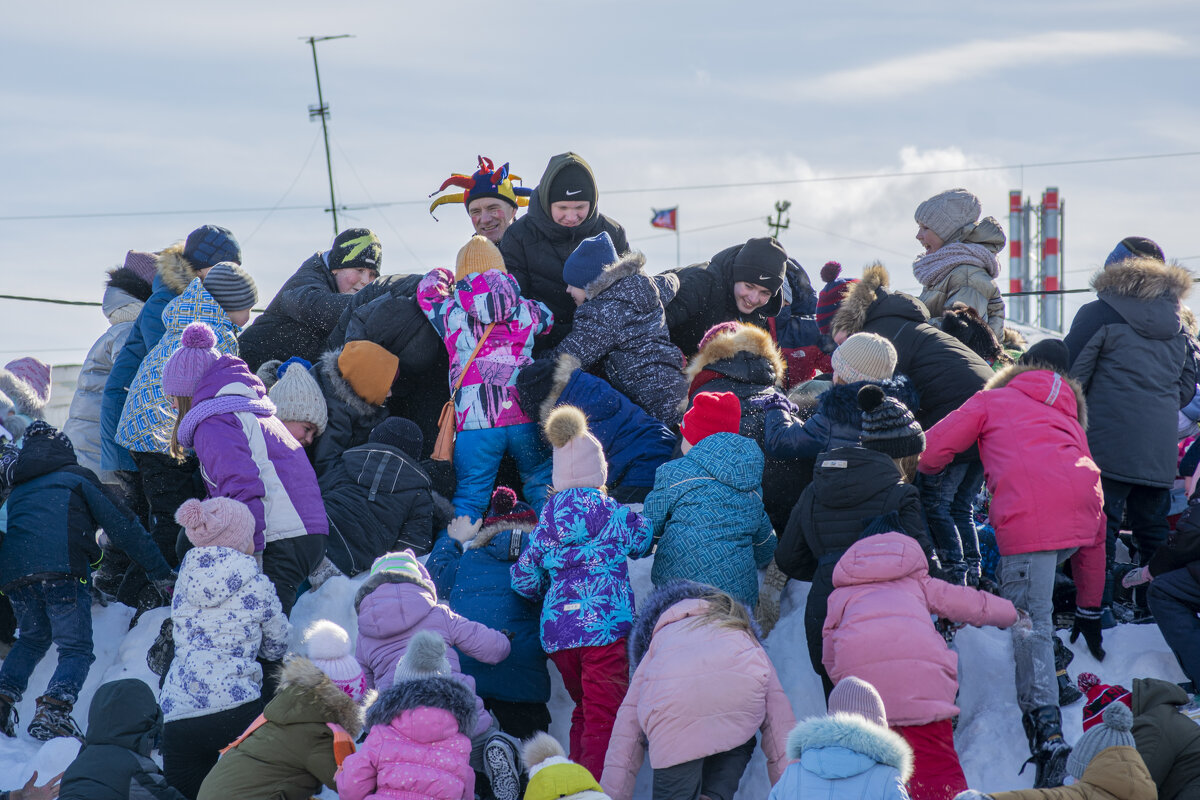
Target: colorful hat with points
[(486, 182)]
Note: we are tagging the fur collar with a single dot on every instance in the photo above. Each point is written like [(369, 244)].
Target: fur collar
[(175, 270), (840, 402), (1005, 376), (341, 388), (628, 264), (851, 316), (373, 582), (564, 368), (444, 693), (748, 338), (128, 281), (657, 604), (852, 732), (488, 532), (339, 707), (1143, 279)]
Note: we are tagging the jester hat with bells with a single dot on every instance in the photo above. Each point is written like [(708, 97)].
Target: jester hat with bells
[(486, 182)]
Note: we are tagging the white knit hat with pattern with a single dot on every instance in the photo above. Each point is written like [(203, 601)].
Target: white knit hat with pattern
[(328, 648), (864, 357), (298, 398)]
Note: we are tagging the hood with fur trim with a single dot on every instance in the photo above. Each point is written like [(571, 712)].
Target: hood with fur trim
[(747, 341), (124, 295), (642, 294), (840, 402), (373, 582), (488, 532), (341, 388), (175, 270), (22, 396), (306, 694), (850, 732), (564, 368), (1005, 376), (1147, 293), (658, 603), (872, 297), (444, 693)]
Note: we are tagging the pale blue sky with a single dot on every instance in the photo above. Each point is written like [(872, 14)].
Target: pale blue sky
[(135, 107)]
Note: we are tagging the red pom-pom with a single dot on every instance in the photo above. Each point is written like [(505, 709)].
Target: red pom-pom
[(198, 336), (830, 271), (503, 500), (1087, 680)]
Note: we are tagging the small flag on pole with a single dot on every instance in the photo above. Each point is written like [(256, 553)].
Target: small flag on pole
[(665, 218)]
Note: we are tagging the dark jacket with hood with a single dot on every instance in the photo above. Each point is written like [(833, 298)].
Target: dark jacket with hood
[(1129, 351), (54, 510), (1166, 740), (174, 274), (298, 319), (836, 421), (705, 297), (796, 323), (748, 364), (351, 418), (535, 248), (123, 724), (620, 330), (378, 500), (635, 443), (478, 583), (943, 370), (291, 755)]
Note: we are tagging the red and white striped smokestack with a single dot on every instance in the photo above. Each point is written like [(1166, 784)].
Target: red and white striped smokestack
[(1051, 269), (1018, 307)]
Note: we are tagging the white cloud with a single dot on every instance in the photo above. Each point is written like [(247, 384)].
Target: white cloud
[(971, 60)]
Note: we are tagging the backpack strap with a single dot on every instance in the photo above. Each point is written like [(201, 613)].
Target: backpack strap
[(458, 383), (343, 744), (259, 721)]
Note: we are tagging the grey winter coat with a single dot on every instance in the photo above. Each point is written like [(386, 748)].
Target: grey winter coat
[(350, 417), (622, 328), (1131, 355)]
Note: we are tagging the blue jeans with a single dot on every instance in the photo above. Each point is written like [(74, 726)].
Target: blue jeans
[(962, 511), (477, 455), (1174, 600), (57, 610), (938, 495)]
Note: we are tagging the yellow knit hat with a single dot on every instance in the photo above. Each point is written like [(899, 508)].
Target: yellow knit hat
[(552, 776), (477, 255), (369, 369)]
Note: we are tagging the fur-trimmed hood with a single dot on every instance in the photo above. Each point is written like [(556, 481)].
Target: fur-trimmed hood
[(175, 270), (124, 295), (847, 732), (488, 532), (1144, 279), (747, 340), (564, 368), (1005, 376), (840, 402), (872, 297), (651, 610), (444, 693), (373, 582), (643, 294), (340, 387), (307, 694)]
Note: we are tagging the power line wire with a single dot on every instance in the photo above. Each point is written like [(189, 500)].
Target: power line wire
[(295, 180)]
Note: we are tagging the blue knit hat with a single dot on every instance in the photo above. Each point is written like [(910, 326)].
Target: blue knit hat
[(209, 245), (589, 260), (1134, 247)]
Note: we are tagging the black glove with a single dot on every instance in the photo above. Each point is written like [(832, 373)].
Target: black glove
[(1087, 622), (166, 587)]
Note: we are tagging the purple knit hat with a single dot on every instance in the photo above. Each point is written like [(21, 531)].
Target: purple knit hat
[(144, 265), (35, 373), (195, 356), (855, 696)]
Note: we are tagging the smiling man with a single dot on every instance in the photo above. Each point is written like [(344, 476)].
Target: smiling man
[(490, 197)]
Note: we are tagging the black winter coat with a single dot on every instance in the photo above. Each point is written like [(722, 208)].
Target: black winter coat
[(115, 764), (378, 501), (1166, 740), (620, 331), (535, 247), (298, 319), (705, 297), (350, 417)]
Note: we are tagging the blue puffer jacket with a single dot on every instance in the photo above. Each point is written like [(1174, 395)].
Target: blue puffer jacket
[(478, 584), (836, 422), (54, 511), (844, 755), (707, 514)]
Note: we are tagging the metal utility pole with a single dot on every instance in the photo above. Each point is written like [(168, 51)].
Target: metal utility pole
[(779, 223), (321, 110)]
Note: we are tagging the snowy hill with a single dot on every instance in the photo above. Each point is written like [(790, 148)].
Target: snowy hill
[(990, 741)]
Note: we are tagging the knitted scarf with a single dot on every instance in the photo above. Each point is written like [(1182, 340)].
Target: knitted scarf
[(223, 404), (931, 268)]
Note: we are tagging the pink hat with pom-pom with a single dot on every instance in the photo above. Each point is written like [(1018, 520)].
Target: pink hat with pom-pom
[(195, 356), (328, 647), (35, 374), (218, 522), (829, 300)]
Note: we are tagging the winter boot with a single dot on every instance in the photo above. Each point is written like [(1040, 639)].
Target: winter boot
[(53, 719), (8, 716), (1067, 693), (502, 765), (1043, 727)]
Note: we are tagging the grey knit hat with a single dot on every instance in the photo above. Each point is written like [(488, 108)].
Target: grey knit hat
[(425, 657), (855, 696), (1114, 731), (231, 286), (298, 398), (946, 214), (887, 425), (864, 357)]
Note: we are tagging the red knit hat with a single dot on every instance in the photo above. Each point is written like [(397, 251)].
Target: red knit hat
[(1099, 695), (829, 300), (711, 412)]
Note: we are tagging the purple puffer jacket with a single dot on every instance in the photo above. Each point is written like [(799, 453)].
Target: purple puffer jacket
[(248, 454), (392, 609)]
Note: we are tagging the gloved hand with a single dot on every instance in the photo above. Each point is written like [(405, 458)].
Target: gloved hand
[(166, 586), (767, 610), (1024, 621), (1087, 623), (773, 400), (462, 530), (1136, 577)]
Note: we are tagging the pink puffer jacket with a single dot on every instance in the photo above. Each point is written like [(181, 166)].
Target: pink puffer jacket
[(420, 754), (878, 627), (698, 690)]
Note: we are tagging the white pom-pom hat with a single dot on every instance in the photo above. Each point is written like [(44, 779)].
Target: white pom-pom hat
[(328, 647)]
